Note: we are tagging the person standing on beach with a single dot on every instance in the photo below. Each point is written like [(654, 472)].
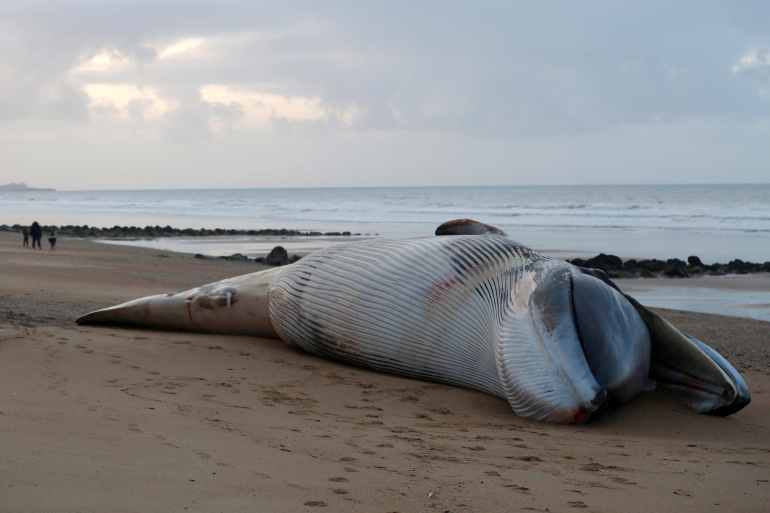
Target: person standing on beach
[(37, 233), (52, 240), (25, 232)]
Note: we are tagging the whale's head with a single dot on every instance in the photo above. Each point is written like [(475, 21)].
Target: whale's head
[(591, 346), (576, 346)]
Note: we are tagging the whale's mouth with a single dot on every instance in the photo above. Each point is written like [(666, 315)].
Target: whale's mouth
[(629, 348), (615, 340)]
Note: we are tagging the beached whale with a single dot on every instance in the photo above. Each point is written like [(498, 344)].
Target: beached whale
[(470, 307)]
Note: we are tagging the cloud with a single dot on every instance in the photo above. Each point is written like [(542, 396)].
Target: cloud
[(754, 68), (117, 99), (258, 109), (489, 69), (519, 73)]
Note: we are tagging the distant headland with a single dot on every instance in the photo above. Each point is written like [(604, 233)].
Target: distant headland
[(21, 186)]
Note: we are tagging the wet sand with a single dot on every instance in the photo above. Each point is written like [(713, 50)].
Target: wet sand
[(95, 419), (735, 295)]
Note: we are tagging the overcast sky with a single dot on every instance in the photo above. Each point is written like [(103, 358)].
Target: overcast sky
[(160, 94)]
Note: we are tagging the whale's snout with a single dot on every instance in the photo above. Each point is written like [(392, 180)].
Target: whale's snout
[(615, 340)]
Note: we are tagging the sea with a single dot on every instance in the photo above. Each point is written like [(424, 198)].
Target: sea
[(717, 223)]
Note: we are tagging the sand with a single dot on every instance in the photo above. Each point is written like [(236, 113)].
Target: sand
[(105, 419)]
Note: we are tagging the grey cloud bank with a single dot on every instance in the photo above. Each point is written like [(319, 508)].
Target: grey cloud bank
[(100, 95)]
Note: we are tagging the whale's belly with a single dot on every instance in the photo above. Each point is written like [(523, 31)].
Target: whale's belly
[(428, 313)]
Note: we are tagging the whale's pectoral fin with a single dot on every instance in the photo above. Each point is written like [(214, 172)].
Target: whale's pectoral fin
[(235, 306), (164, 311), (702, 378), (467, 227)]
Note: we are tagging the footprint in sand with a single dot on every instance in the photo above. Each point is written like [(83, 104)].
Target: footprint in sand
[(516, 488), (164, 441)]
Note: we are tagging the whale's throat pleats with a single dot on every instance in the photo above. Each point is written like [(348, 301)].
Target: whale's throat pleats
[(470, 311)]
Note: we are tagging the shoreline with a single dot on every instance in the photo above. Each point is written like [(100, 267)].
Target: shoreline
[(143, 420), (738, 295), (171, 238)]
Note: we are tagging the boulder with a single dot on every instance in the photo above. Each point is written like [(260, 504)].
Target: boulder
[(606, 263), (278, 256), (676, 268)]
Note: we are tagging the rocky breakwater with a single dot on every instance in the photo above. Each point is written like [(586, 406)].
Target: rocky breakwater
[(120, 232), (278, 256), (615, 267)]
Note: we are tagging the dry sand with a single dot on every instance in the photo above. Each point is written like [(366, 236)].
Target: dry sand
[(105, 419)]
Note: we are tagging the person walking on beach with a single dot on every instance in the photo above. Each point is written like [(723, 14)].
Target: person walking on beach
[(25, 232), (37, 233), (52, 240)]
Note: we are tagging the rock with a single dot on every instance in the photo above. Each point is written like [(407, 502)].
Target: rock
[(738, 266), (694, 261), (606, 263), (676, 268), (653, 266), (719, 270), (278, 256), (631, 265)]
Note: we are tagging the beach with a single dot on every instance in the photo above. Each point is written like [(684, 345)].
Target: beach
[(102, 418)]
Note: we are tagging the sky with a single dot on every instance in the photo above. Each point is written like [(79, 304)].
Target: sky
[(140, 94)]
